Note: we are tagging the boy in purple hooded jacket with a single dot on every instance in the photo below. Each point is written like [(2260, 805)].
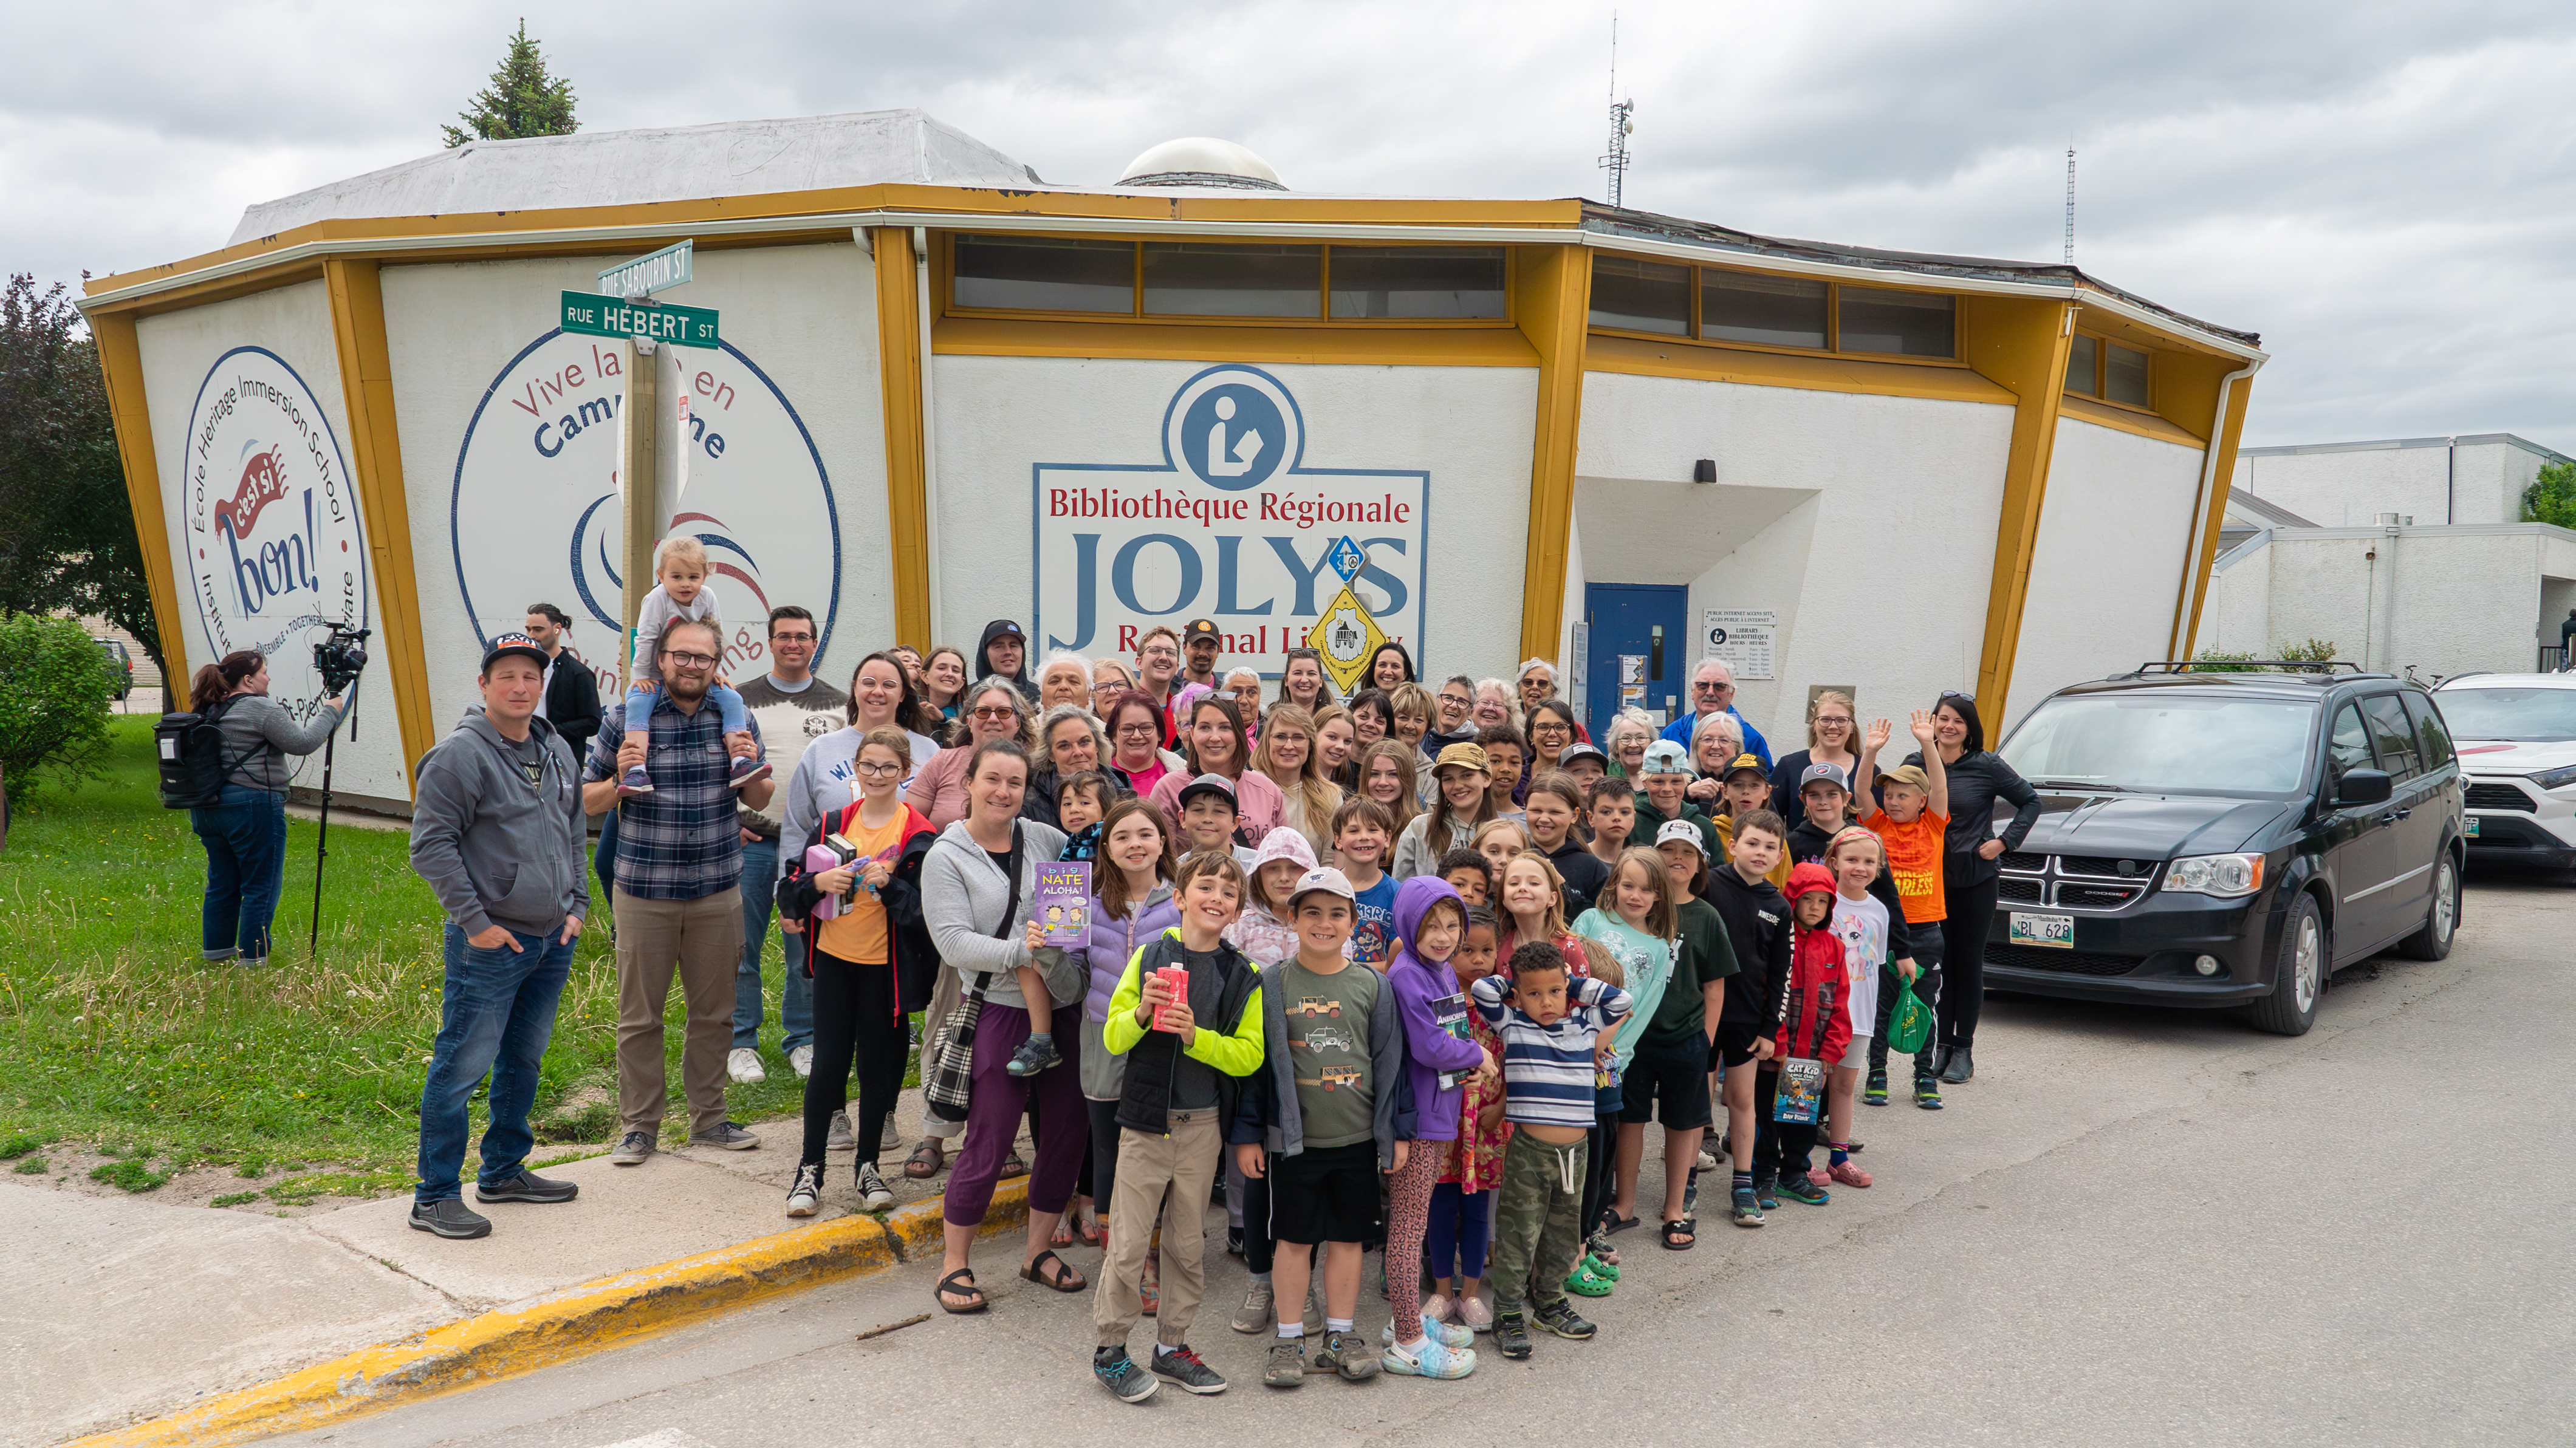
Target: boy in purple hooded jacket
[(1430, 921)]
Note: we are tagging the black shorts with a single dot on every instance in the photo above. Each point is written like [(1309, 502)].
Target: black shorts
[(1325, 1194), (1734, 1044), (1677, 1076)]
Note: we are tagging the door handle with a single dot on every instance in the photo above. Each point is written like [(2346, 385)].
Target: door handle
[(2404, 813), (2390, 819)]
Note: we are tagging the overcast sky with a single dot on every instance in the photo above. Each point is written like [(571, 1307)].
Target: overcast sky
[(2384, 191)]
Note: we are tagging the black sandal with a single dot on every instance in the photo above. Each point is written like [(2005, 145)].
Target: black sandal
[(1681, 1233), (1065, 1278), (1617, 1223), (949, 1287)]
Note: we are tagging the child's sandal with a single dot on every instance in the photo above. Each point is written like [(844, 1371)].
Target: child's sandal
[(1681, 1234)]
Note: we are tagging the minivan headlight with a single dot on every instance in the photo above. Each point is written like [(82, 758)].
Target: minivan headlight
[(2226, 876), (2555, 778)]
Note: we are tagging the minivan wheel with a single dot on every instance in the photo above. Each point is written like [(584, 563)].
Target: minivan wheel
[(2299, 973), (2442, 921)]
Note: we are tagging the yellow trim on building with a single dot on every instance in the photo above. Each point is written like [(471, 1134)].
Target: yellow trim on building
[(2223, 482), (899, 363), (2023, 346), (120, 361), (1815, 371), (375, 442), (1553, 299), (2125, 419), (1484, 346)]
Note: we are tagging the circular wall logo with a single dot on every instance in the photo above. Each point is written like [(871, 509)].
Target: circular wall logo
[(275, 549), (535, 517), (1233, 428)]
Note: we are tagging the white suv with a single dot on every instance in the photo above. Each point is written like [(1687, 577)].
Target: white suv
[(2516, 735)]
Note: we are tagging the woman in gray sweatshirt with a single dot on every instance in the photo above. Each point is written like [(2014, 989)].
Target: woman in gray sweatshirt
[(978, 882), (244, 831)]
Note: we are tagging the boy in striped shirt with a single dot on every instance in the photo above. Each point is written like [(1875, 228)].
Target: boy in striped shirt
[(1552, 1029)]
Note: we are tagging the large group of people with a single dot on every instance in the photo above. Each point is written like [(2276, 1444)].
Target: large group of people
[(1412, 970)]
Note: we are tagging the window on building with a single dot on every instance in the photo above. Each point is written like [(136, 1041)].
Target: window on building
[(1208, 279), (2083, 366), (1640, 296), (2124, 374), (1907, 324), (1427, 282), (1046, 274), (1745, 307)]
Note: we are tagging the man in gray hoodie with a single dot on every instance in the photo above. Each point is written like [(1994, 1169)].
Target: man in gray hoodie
[(497, 832)]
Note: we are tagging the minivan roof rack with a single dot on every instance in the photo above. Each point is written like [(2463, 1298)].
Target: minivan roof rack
[(2246, 666)]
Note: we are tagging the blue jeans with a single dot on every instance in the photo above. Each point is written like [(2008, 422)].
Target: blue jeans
[(495, 1014), (639, 708), (796, 996), (245, 840)]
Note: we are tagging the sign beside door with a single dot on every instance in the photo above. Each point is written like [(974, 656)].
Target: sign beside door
[(1744, 638)]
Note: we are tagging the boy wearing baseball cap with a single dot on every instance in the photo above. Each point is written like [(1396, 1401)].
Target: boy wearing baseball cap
[(1318, 1126), (1912, 821), (1744, 788), (1208, 811), (1663, 778)]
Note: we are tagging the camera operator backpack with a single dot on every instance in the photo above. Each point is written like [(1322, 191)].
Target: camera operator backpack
[(190, 751)]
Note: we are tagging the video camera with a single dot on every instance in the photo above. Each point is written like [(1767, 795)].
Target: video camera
[(341, 658)]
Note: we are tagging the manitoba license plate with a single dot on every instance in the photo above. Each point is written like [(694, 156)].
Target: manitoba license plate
[(2050, 930)]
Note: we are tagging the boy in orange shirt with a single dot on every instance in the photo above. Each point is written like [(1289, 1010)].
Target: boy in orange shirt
[(1912, 819)]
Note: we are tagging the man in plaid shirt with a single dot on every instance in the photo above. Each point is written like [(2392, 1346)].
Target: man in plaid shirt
[(678, 894)]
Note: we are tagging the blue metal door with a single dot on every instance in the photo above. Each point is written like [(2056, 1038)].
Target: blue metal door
[(1638, 649)]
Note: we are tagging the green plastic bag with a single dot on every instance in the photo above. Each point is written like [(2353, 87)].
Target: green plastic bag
[(1911, 1025)]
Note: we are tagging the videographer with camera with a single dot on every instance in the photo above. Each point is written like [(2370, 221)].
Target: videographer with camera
[(497, 832), (244, 830)]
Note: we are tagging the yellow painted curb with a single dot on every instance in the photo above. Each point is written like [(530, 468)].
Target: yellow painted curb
[(921, 1232), (592, 1317)]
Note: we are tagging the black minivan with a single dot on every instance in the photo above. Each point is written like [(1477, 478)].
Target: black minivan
[(2228, 839)]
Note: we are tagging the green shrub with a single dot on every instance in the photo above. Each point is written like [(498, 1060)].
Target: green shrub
[(31, 1166), (18, 1145), (2551, 498), (130, 1173), (53, 715)]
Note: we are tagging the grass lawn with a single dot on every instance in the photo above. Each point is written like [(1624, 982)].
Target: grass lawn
[(123, 1041)]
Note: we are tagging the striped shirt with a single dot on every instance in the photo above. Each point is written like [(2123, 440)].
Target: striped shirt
[(1547, 1070)]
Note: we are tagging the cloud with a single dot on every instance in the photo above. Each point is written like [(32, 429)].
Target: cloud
[(2383, 191)]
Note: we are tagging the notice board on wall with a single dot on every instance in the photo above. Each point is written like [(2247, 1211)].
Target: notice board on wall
[(1745, 638)]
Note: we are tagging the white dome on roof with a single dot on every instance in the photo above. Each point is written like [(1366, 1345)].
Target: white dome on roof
[(1201, 161)]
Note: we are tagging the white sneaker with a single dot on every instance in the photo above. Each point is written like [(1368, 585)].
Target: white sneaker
[(874, 1194), (744, 1065), (805, 1198), (802, 1058), (1707, 1162), (840, 1137)]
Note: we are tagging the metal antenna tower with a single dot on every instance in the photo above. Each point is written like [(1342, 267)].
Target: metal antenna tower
[(2070, 206), (1621, 123)]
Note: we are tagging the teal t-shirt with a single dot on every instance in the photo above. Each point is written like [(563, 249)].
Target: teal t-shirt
[(1646, 963)]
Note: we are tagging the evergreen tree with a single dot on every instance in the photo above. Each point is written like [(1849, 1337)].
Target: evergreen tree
[(522, 100)]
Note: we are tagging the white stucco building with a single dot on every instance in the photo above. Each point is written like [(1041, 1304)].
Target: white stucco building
[(948, 391)]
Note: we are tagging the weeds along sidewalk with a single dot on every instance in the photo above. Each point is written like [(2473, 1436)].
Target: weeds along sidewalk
[(134, 1065)]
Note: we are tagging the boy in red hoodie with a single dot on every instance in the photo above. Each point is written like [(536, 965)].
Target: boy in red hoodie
[(1809, 1004)]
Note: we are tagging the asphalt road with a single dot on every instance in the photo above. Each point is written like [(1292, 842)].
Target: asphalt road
[(2134, 1226)]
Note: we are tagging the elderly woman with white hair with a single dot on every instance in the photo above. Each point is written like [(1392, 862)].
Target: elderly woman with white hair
[(1065, 678), (1625, 741), (1494, 706), (1243, 685), (1714, 744), (1538, 683)]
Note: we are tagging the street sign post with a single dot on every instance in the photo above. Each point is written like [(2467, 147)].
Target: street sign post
[(645, 275), (609, 317)]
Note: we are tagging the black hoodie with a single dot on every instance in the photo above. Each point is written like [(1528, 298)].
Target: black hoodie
[(1757, 924), (984, 657)]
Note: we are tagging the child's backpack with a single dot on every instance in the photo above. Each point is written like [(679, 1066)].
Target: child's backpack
[(190, 750)]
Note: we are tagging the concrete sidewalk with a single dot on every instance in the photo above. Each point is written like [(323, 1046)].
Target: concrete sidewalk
[(120, 1310)]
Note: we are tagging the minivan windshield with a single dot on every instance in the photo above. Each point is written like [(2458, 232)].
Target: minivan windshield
[(2160, 742), (2521, 715)]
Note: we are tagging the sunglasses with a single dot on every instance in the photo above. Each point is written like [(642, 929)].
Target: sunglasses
[(990, 712)]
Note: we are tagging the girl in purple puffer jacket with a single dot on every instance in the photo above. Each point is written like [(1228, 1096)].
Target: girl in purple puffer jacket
[(1431, 921), (1131, 903)]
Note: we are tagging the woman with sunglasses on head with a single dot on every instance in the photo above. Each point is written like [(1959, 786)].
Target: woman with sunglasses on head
[(1970, 870), (1216, 744), (1833, 737)]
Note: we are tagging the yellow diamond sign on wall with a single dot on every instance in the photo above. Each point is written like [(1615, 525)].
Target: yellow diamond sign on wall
[(1347, 638)]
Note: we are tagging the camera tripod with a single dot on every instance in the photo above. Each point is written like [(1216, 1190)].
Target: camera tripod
[(322, 839)]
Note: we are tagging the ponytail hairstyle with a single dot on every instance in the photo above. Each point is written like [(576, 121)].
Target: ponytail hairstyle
[(214, 681)]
